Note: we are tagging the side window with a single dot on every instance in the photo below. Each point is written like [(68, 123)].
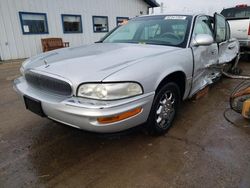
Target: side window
[(72, 23), (202, 26), (237, 12), (100, 24), (33, 23), (220, 28), (121, 20)]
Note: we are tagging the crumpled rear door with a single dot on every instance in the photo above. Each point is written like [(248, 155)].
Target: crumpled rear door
[(228, 48)]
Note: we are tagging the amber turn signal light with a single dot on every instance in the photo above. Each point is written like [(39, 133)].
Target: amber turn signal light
[(119, 117)]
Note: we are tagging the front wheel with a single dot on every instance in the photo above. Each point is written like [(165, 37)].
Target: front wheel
[(164, 109)]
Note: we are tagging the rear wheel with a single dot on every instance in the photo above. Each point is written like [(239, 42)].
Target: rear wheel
[(164, 109)]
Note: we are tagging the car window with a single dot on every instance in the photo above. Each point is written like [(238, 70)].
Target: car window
[(162, 30), (220, 29), (156, 30), (237, 12), (126, 33), (203, 26), (150, 31)]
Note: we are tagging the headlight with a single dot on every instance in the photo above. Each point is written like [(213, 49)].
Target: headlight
[(109, 91)]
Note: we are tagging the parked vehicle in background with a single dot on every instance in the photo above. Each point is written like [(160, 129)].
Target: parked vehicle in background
[(138, 73), (239, 20)]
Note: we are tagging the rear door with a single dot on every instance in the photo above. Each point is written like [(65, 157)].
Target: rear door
[(228, 48)]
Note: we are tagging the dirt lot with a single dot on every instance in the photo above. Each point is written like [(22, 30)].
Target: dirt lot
[(202, 149)]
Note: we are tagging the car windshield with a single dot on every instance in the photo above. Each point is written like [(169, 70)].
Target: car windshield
[(171, 30)]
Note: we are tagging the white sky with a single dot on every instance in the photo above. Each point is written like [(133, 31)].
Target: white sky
[(198, 6)]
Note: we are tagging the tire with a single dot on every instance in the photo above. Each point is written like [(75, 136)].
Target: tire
[(164, 109)]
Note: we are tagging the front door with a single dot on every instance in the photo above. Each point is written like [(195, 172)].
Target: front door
[(204, 56)]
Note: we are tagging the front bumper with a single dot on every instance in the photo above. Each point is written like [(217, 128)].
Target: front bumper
[(83, 113)]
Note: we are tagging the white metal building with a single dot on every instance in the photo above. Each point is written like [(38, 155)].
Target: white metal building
[(23, 23)]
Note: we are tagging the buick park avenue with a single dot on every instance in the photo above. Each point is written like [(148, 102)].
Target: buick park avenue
[(138, 74)]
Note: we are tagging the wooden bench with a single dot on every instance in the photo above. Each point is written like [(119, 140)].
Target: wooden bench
[(49, 44)]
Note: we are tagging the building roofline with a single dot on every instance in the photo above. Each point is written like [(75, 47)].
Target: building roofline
[(152, 3)]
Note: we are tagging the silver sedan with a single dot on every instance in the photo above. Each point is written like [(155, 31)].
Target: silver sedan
[(138, 73)]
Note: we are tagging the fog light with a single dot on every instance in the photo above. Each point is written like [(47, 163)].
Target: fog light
[(119, 117)]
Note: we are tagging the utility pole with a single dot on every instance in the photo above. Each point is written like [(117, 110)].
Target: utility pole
[(152, 10)]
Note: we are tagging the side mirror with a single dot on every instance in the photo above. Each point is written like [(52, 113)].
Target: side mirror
[(203, 40)]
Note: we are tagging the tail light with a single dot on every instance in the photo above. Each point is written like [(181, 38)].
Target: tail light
[(241, 6)]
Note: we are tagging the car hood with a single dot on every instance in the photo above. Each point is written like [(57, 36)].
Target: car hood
[(92, 63)]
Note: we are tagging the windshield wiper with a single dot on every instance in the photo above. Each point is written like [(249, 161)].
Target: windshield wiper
[(160, 43)]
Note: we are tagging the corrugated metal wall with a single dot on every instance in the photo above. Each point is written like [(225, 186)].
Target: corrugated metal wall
[(14, 45)]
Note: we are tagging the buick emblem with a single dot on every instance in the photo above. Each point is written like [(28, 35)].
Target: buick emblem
[(46, 64)]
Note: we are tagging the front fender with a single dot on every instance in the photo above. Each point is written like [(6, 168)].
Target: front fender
[(151, 71), (171, 71)]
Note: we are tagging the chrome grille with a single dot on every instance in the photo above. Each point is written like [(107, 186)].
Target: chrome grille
[(49, 84)]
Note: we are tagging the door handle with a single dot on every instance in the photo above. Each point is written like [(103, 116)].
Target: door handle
[(232, 46), (213, 52), (242, 30)]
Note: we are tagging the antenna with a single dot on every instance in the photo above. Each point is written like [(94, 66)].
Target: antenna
[(162, 6)]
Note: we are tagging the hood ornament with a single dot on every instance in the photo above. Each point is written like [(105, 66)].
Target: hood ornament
[(46, 64)]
